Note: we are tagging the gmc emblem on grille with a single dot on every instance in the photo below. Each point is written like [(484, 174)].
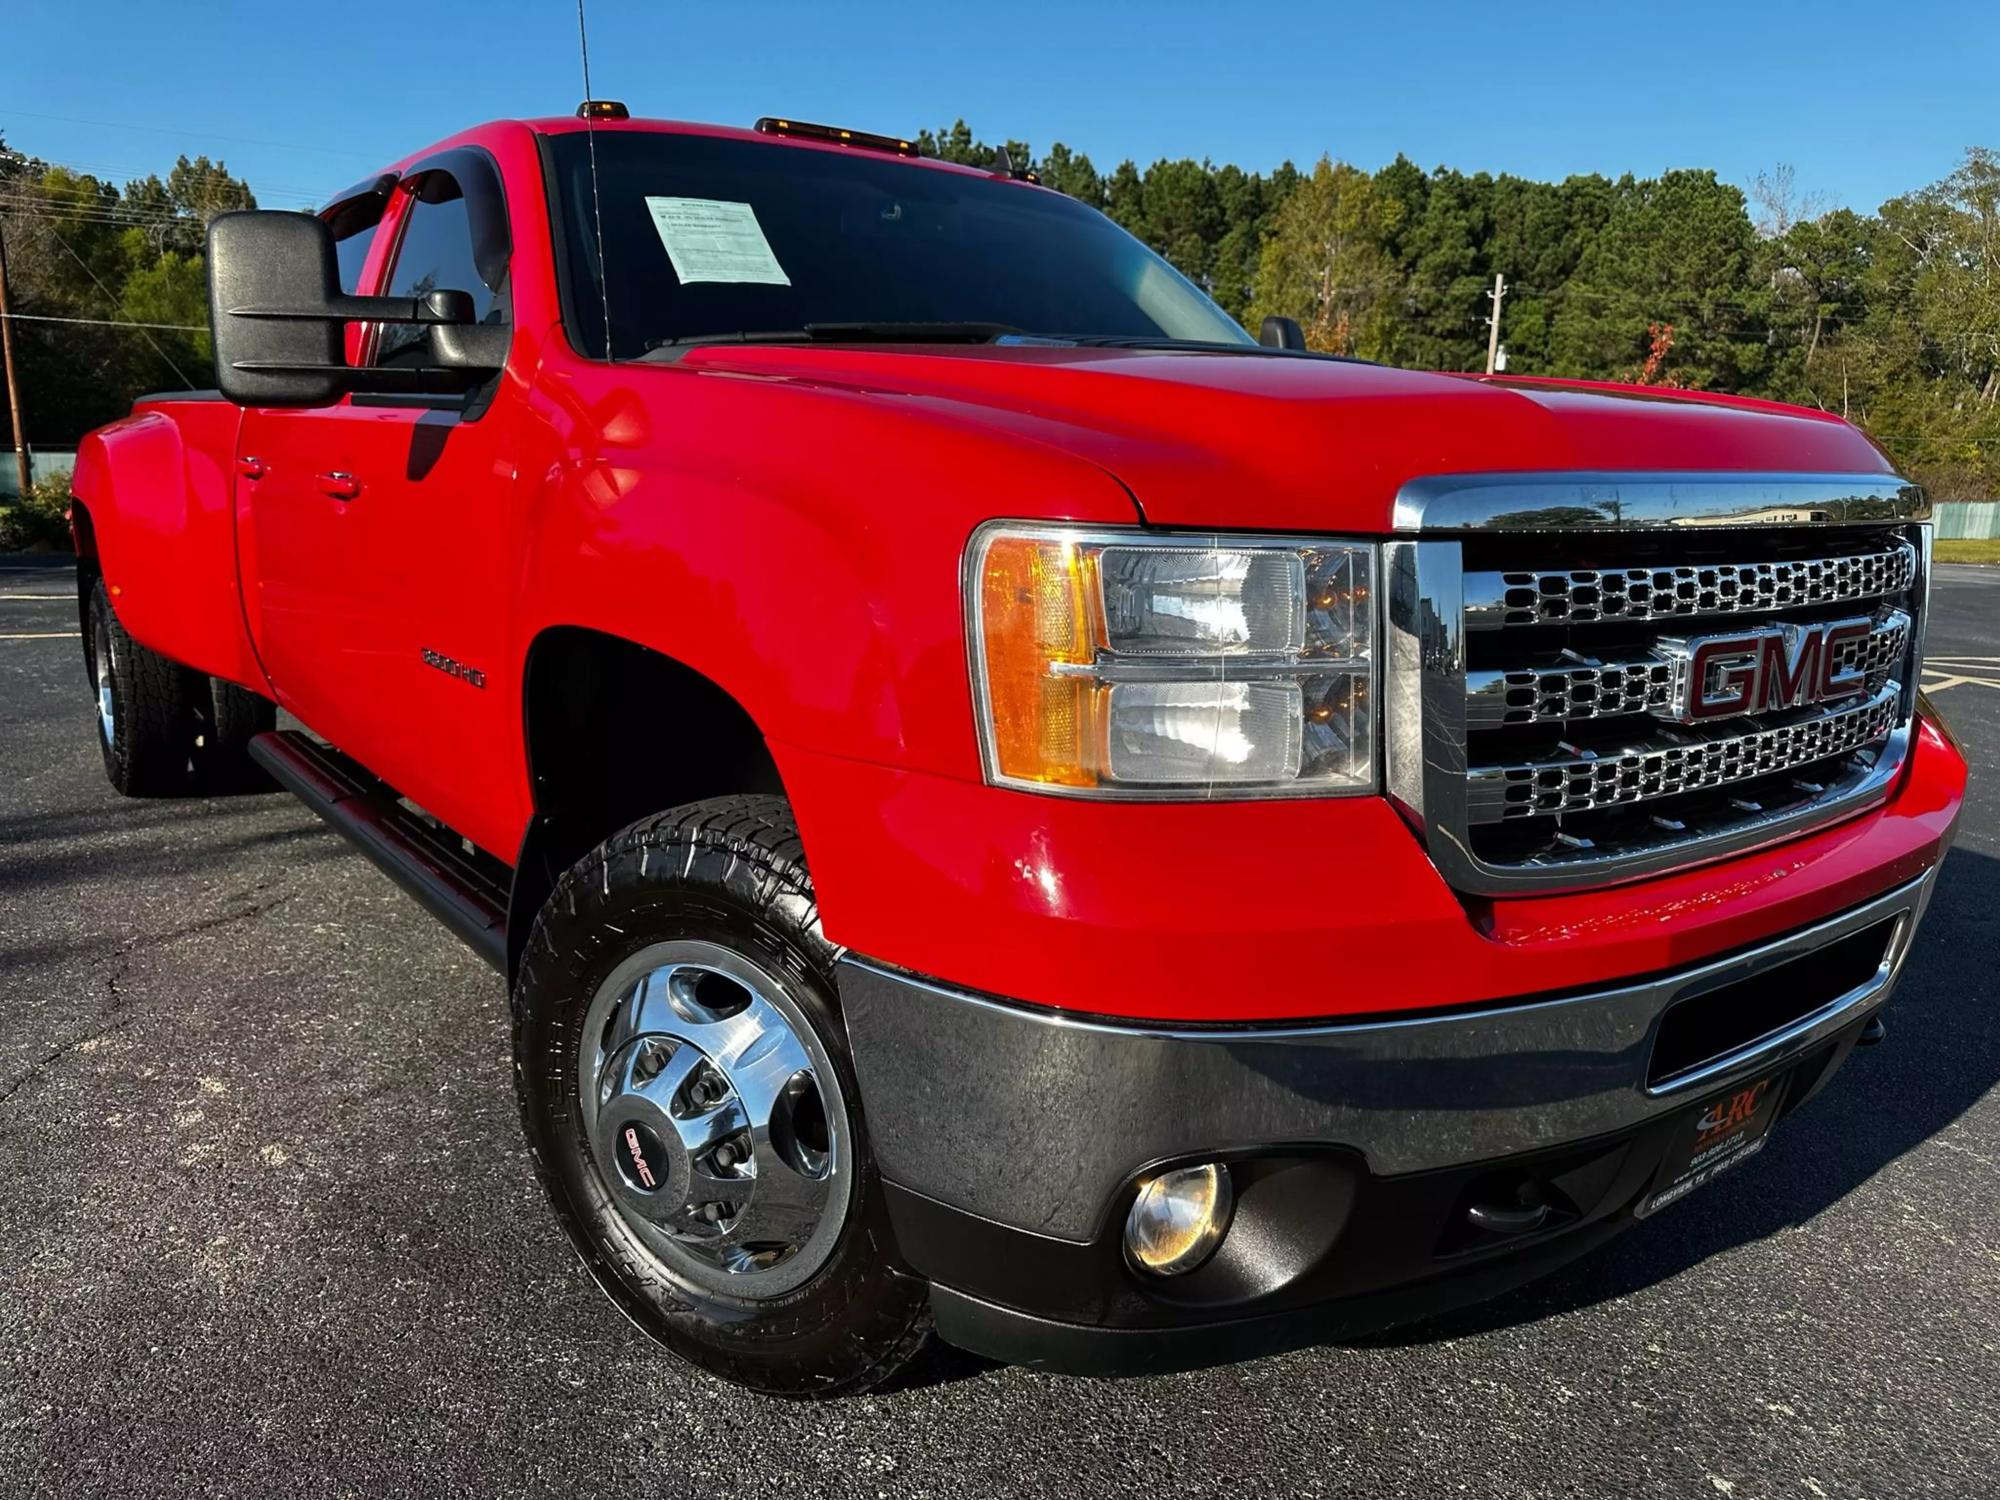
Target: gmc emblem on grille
[(1757, 671)]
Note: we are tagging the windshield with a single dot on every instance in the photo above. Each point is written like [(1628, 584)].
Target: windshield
[(707, 238)]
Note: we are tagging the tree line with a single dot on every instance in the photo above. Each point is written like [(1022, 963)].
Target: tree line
[(100, 258), (1890, 318)]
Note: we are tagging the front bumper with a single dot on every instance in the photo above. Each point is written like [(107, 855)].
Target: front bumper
[(1010, 1139)]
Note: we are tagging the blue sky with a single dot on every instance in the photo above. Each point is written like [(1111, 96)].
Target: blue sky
[(1864, 101)]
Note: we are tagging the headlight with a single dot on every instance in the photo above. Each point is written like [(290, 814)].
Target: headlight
[(1118, 664)]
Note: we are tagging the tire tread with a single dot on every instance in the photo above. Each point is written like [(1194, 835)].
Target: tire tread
[(154, 706), (748, 847)]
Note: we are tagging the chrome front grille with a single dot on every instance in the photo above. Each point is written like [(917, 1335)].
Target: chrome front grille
[(1581, 783), (1597, 677), (1586, 596), (1609, 690)]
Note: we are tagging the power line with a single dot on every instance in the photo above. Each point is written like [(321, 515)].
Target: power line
[(48, 209), (114, 307), (107, 323), (57, 204), (106, 171), (191, 226), (105, 198)]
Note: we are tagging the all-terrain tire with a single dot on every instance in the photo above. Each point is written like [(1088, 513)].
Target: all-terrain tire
[(146, 721), (231, 717), (727, 874)]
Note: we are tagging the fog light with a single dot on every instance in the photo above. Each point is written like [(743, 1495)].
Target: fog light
[(1178, 1219)]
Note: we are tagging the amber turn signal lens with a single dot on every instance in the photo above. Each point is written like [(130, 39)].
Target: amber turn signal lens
[(1120, 663), (1037, 613)]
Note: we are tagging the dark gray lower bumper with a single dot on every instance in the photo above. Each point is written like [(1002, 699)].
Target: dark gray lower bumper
[(1038, 1121)]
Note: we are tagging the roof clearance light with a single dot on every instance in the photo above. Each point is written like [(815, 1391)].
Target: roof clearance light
[(602, 109), (835, 135)]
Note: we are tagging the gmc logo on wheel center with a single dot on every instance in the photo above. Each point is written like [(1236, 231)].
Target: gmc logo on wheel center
[(1757, 671)]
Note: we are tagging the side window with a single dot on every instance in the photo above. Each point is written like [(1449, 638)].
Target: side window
[(353, 255), (353, 223), (435, 254)]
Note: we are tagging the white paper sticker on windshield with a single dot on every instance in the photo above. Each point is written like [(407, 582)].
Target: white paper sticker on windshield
[(710, 240)]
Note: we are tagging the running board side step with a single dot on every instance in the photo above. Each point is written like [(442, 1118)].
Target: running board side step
[(465, 891)]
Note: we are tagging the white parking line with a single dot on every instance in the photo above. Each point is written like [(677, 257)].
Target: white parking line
[(36, 596), (43, 635)]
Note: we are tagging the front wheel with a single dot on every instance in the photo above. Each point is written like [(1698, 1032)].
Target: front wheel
[(685, 1085), (146, 720)]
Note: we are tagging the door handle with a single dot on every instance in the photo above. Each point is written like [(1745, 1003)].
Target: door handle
[(249, 467), (339, 485)]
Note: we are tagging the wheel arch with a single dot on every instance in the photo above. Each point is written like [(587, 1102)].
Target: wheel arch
[(609, 729), (154, 515), (83, 536)]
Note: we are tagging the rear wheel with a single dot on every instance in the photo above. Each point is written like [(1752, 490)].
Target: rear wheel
[(685, 1084), (231, 717), (146, 722)]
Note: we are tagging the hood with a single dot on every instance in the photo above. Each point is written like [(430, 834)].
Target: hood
[(1273, 443)]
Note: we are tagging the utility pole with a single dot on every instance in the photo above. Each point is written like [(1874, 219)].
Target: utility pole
[(1493, 323), (13, 380)]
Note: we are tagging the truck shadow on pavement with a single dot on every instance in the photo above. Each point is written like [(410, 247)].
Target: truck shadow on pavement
[(38, 867), (1940, 1058), (124, 852)]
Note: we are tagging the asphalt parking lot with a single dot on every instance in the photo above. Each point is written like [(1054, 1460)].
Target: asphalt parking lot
[(267, 1226)]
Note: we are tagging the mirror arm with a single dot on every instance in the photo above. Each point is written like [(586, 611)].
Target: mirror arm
[(409, 379), (442, 308)]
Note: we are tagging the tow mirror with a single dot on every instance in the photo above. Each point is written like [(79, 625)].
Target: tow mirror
[(1282, 333), (278, 317)]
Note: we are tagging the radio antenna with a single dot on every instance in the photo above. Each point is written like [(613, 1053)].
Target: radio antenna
[(596, 207)]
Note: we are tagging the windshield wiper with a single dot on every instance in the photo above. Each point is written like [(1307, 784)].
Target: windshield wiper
[(1189, 346), (909, 333), (671, 347), (845, 333), (1150, 341)]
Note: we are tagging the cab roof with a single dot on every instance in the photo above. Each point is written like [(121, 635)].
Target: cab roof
[(571, 125)]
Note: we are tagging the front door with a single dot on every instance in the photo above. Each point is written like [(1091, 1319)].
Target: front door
[(381, 529), (294, 545)]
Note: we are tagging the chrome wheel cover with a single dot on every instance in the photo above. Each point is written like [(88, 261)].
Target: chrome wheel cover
[(100, 651), (714, 1119)]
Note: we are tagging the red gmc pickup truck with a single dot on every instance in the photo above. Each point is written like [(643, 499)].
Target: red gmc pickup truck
[(1004, 802)]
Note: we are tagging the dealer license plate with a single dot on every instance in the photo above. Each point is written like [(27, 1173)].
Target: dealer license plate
[(1716, 1135)]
